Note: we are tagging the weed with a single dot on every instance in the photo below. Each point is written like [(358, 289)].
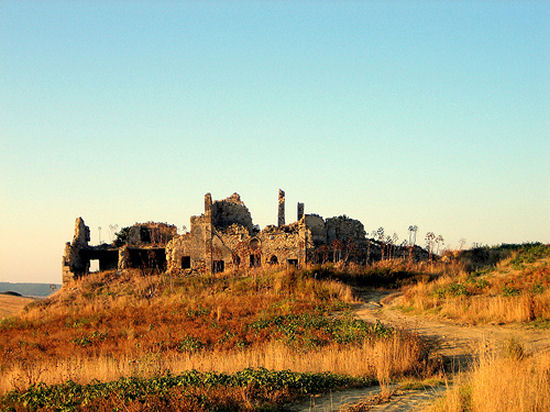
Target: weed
[(510, 291)]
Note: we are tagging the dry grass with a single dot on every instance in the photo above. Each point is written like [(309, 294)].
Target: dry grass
[(129, 315), (11, 305), (501, 383), (110, 325), (381, 359), (391, 273), (480, 309), (509, 293)]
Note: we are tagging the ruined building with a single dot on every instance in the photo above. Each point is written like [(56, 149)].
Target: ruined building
[(221, 238)]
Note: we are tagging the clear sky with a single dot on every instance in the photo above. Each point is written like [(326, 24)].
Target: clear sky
[(395, 113)]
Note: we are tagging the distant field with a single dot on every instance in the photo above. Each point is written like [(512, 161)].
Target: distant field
[(10, 305)]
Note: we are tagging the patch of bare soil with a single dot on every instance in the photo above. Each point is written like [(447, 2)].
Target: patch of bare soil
[(456, 343)]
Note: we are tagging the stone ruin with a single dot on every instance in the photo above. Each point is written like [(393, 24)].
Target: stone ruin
[(141, 245), (223, 238)]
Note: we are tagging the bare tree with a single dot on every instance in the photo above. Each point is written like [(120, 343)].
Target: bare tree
[(412, 241), (389, 245), (394, 240), (412, 234), (380, 238), (112, 231), (430, 237), (337, 247), (350, 250), (439, 241)]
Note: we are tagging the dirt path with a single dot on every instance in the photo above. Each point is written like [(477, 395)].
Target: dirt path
[(456, 343), (453, 340)]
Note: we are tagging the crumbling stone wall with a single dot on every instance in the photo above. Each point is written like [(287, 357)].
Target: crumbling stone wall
[(196, 245), (281, 208), (232, 242), (317, 226), (224, 237), (73, 265), (347, 239), (285, 244), (345, 229), (231, 211), (151, 233), (77, 255), (299, 211)]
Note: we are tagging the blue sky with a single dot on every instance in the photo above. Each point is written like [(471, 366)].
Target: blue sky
[(395, 113)]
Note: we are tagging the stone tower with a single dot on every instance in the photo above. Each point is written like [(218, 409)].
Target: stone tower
[(281, 215), (300, 210)]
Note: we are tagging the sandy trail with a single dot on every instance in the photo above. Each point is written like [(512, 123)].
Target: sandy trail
[(456, 343), (453, 340)]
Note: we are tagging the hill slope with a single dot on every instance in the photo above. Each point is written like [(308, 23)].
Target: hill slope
[(109, 326), (11, 305), (515, 289)]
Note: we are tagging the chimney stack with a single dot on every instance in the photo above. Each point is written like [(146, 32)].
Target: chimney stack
[(207, 204), (300, 210), (281, 217)]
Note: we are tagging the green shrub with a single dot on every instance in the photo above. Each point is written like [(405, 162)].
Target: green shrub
[(510, 291), (71, 396)]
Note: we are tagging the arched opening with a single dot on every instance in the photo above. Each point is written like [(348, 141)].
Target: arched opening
[(236, 260), (254, 244), (273, 260), (255, 260), (218, 266)]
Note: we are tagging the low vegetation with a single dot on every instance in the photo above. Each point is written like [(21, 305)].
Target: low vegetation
[(10, 304), (108, 326), (250, 389), (257, 340), (508, 380), (516, 289)]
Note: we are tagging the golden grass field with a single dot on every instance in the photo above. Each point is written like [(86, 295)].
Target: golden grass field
[(509, 381), (508, 293), (11, 305), (113, 325), (107, 326)]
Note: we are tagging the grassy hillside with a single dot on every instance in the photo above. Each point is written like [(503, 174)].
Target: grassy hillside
[(509, 380), (11, 305), (515, 289), (107, 326)]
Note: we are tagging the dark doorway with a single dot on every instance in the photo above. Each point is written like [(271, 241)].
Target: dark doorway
[(292, 262), (236, 260), (100, 259), (145, 234), (154, 258), (273, 260), (218, 266), (186, 262), (255, 261)]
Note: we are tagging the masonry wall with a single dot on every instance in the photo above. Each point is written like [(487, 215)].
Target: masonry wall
[(196, 245), (231, 211), (224, 238)]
